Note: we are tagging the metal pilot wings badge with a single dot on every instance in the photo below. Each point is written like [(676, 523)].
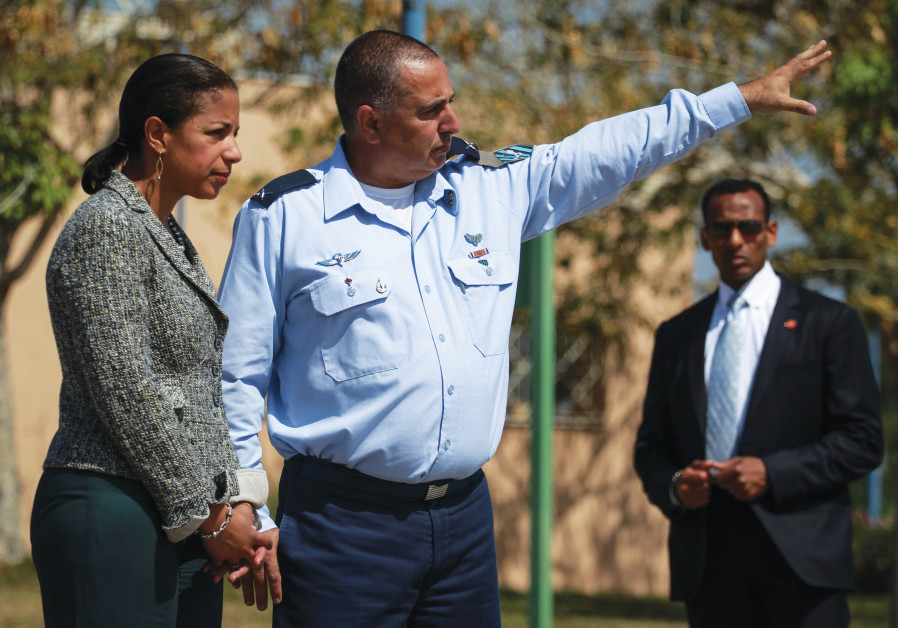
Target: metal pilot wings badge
[(338, 259), (475, 239)]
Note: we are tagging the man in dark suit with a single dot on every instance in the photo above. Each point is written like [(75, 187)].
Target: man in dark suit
[(761, 407)]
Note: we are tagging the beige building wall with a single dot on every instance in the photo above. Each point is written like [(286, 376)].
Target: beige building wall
[(607, 537)]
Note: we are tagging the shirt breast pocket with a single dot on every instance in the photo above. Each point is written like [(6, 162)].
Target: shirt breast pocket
[(361, 333), (488, 297)]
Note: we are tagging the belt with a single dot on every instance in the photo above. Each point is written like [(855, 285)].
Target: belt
[(324, 471)]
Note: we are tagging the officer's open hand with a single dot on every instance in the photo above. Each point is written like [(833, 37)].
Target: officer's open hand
[(772, 92), (263, 576)]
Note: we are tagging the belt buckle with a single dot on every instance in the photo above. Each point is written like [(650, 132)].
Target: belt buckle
[(435, 491)]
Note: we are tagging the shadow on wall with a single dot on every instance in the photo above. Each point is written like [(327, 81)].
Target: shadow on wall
[(606, 536)]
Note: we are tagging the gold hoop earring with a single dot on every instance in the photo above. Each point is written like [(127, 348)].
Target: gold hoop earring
[(159, 168)]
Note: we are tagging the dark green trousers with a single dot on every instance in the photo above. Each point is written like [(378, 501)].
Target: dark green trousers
[(102, 558)]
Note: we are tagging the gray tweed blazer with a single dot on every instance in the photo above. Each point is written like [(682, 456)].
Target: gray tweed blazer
[(139, 334)]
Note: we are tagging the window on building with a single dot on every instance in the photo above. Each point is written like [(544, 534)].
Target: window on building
[(579, 390)]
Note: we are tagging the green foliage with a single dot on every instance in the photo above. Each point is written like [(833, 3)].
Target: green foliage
[(874, 553), (548, 67), (64, 63), (536, 71), (36, 175), (849, 210), (48, 60)]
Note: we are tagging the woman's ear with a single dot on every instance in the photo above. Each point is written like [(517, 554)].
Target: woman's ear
[(154, 131)]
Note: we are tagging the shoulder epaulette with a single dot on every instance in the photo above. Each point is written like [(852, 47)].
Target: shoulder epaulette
[(497, 159), (285, 183), (513, 153), (459, 146)]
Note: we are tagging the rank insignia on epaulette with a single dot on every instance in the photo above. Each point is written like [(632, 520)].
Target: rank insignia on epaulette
[(285, 183), (458, 146), (516, 152)]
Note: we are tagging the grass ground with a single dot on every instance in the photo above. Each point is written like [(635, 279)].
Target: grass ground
[(20, 607)]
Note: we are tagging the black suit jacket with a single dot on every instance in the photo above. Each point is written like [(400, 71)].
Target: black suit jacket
[(813, 417)]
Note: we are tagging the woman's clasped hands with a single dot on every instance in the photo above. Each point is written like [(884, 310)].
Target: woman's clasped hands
[(233, 542)]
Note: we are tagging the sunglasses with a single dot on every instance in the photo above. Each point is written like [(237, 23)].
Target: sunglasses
[(723, 228)]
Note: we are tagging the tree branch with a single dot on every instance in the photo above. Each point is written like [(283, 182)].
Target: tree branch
[(19, 269), (18, 192)]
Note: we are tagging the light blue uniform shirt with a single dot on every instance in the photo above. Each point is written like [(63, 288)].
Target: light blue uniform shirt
[(395, 362)]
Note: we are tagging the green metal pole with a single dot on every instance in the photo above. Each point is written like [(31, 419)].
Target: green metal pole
[(542, 403)]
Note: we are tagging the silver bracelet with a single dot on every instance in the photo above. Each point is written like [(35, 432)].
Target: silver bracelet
[(224, 524)]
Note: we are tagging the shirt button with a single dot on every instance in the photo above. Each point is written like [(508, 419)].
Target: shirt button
[(216, 370), (442, 338), (451, 390), (216, 400), (489, 272), (218, 343), (451, 202), (446, 445), (427, 289)]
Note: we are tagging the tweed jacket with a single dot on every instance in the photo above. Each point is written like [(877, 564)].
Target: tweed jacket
[(139, 334)]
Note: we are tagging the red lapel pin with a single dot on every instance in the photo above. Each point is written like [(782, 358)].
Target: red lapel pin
[(790, 324)]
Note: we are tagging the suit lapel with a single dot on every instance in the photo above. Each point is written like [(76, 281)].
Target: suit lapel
[(196, 274), (775, 345), (695, 357)]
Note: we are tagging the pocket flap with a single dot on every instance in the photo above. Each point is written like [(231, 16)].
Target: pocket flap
[(334, 294), (500, 269)]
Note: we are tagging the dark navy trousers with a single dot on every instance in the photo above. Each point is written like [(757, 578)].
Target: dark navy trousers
[(358, 553)]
